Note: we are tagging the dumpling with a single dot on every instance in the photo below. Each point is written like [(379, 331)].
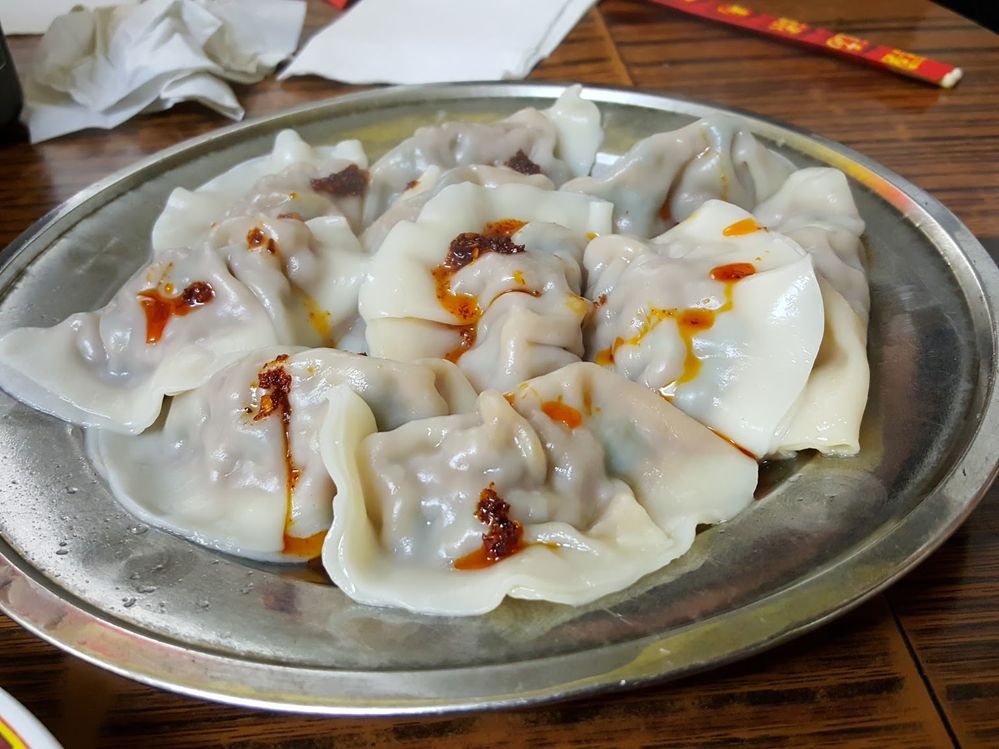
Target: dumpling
[(294, 180), (488, 278), (816, 209), (828, 413), (560, 142), (235, 464), (172, 325), (720, 316), (665, 177), (306, 274), (408, 205), (579, 130), (570, 488), (186, 314)]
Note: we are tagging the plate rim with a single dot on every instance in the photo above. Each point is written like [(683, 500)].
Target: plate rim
[(94, 635)]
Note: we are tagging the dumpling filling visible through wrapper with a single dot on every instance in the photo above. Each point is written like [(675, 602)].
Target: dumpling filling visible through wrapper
[(570, 488)]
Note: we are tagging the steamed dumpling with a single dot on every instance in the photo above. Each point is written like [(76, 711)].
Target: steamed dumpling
[(235, 464), (816, 209), (488, 278), (188, 313), (560, 143), (278, 184), (665, 177), (828, 413), (408, 205), (568, 489), (306, 274), (173, 324), (720, 316)]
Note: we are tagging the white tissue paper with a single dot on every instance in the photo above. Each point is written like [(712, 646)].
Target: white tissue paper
[(34, 17), (435, 41), (98, 68)]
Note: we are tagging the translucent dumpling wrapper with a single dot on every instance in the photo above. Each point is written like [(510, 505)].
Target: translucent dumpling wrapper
[(281, 183), (306, 274), (486, 277), (173, 324), (815, 208), (235, 464), (560, 142), (727, 328), (570, 488), (664, 178), (827, 415), (189, 312), (408, 205)]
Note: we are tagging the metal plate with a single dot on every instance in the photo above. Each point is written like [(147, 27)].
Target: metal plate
[(80, 572)]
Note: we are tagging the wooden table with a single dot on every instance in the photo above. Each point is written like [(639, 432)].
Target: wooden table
[(916, 666)]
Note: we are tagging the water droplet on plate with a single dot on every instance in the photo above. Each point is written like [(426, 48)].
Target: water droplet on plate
[(63, 543), (145, 588), (128, 602), (62, 552), (138, 530), (204, 604), (71, 490)]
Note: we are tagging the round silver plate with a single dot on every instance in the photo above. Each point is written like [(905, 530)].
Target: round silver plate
[(825, 534)]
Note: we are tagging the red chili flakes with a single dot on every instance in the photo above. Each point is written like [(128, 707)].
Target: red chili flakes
[(521, 162), (160, 309), (197, 294), (257, 237), (502, 539), (274, 378), (349, 181), (505, 535), (468, 246), (412, 183), (465, 249), (293, 215)]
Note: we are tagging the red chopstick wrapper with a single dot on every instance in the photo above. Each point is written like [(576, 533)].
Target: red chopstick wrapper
[(845, 45)]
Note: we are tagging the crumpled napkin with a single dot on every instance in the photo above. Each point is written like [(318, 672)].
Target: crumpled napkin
[(35, 16), (98, 68), (435, 41)]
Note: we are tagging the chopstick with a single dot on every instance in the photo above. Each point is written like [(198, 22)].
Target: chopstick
[(852, 47)]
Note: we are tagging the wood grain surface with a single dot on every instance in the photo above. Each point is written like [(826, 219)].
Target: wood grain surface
[(915, 667)]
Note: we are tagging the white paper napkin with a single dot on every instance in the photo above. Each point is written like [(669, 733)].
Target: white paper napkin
[(35, 16), (98, 68), (433, 41)]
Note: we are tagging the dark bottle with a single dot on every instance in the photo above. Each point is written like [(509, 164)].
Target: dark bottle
[(10, 88)]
